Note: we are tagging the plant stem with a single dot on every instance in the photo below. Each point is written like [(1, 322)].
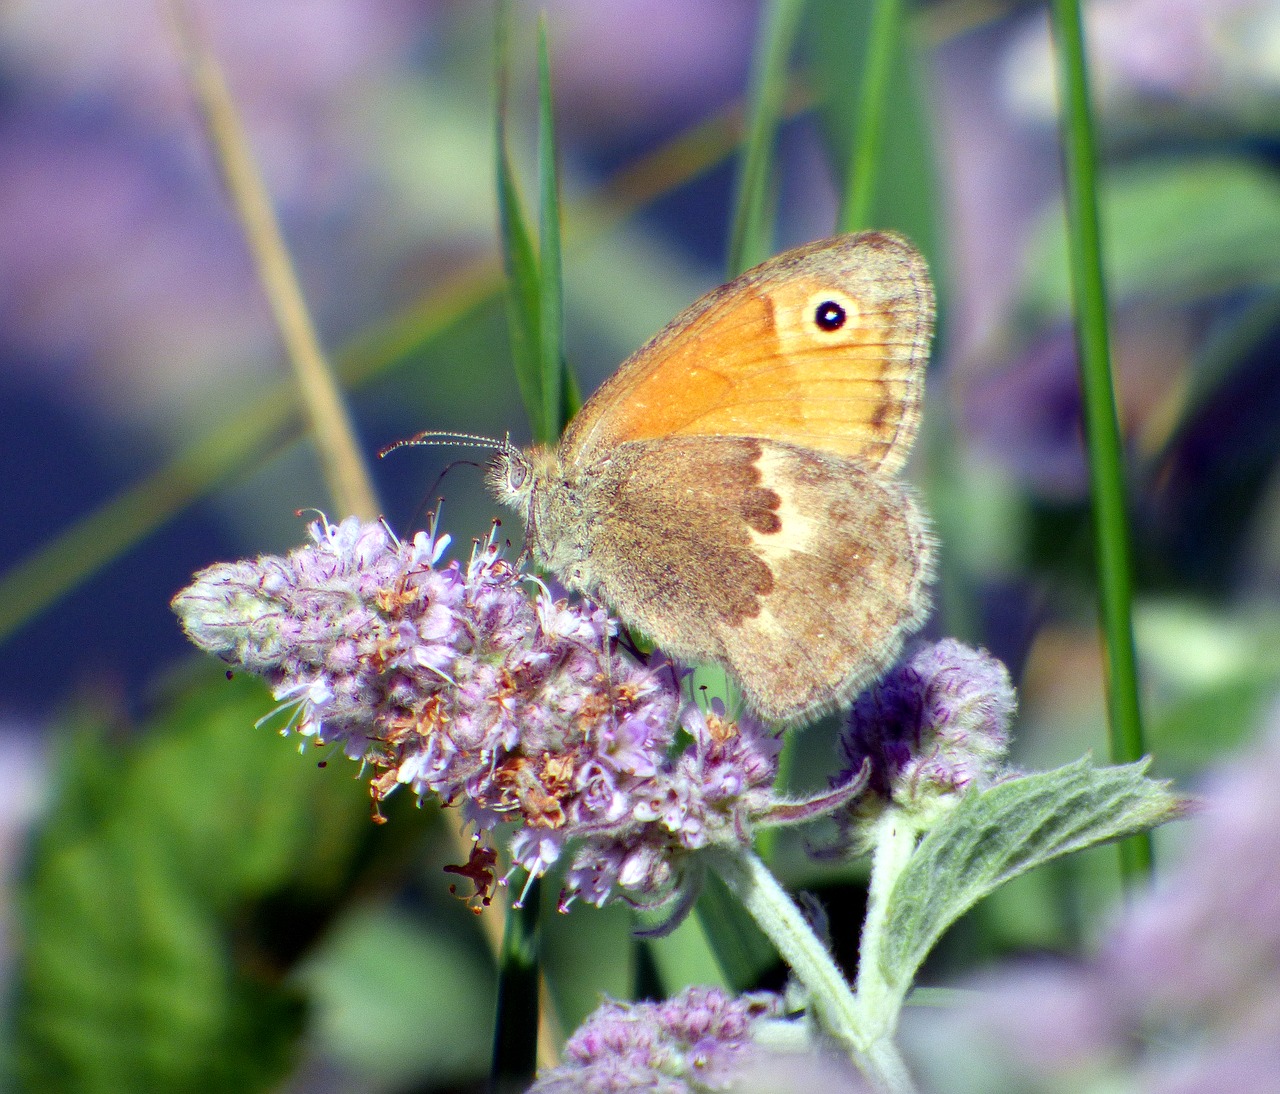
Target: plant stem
[(879, 1002), (1102, 432), (832, 1000)]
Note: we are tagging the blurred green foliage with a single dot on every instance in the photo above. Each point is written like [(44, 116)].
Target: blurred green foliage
[(1175, 231), (183, 870)]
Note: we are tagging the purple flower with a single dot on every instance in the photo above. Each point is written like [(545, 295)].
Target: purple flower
[(935, 726), (714, 791), (695, 1042), (442, 678), (457, 683)]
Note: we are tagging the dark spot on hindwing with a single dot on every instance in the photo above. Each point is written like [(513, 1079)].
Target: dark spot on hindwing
[(762, 516), (753, 582), (757, 506), (760, 504)]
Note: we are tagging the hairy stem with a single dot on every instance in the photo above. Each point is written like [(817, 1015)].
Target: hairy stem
[(833, 1003)]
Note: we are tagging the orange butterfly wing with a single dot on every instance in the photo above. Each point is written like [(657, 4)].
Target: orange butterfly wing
[(752, 359)]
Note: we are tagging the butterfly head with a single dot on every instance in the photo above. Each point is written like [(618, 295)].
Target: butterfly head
[(510, 477), (533, 482)]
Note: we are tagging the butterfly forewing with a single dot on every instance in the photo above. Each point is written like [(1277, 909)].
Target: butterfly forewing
[(751, 359)]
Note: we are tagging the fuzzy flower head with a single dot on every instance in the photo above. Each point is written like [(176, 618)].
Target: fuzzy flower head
[(456, 682), (935, 726), (709, 792), (690, 1044)]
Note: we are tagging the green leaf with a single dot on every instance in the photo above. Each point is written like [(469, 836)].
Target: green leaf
[(1214, 674), (398, 1000), (587, 952), (750, 239), (1173, 231), (892, 159), (178, 877), (519, 258), (739, 945), (996, 834), (551, 278), (686, 956)]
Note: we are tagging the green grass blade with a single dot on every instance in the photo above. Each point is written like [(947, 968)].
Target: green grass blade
[(882, 48), (519, 259), (863, 63), (1102, 432), (833, 32), (827, 25), (515, 1034), (751, 239), (551, 279), (333, 431), (515, 1037), (734, 940), (536, 299), (521, 297)]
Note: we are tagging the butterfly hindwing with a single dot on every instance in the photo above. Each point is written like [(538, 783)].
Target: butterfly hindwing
[(796, 570)]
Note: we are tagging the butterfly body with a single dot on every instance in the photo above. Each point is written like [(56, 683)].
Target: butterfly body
[(730, 490)]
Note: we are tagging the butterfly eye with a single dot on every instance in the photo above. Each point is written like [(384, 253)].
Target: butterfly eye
[(829, 316), (517, 472)]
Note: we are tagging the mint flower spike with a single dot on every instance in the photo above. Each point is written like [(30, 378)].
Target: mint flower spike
[(451, 680), (934, 727), (474, 685)]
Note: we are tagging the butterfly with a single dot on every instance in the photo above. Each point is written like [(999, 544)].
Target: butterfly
[(731, 490)]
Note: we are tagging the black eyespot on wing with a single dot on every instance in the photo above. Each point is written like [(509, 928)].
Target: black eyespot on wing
[(829, 316)]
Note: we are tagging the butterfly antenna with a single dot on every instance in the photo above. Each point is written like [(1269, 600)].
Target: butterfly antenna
[(439, 436)]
